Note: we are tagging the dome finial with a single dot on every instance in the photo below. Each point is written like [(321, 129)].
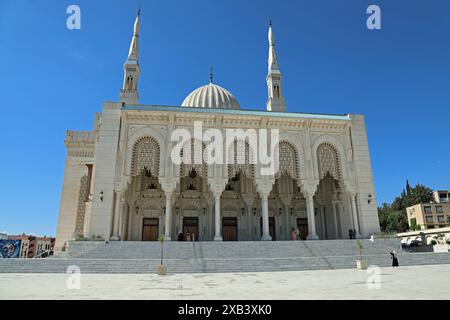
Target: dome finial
[(211, 74)]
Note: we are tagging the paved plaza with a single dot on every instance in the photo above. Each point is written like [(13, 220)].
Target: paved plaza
[(412, 282)]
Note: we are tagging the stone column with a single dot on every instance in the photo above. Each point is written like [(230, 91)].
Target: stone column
[(250, 220), (286, 205), (117, 213), (265, 217), (336, 230), (168, 185), (311, 219), (355, 215), (130, 223), (249, 206), (121, 219), (323, 222), (217, 185), (217, 229), (168, 221)]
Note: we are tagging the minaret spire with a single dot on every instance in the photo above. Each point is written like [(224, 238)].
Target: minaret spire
[(275, 100), (129, 93), (134, 47)]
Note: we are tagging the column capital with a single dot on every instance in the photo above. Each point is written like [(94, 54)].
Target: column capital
[(308, 187), (217, 185), (168, 193), (264, 185), (168, 184)]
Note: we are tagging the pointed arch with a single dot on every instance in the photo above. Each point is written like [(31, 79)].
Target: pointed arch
[(328, 162), (296, 143), (334, 148), (243, 158), (138, 135), (195, 159), (145, 156), (287, 160)]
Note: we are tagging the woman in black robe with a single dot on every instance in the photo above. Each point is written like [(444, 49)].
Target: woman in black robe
[(394, 259)]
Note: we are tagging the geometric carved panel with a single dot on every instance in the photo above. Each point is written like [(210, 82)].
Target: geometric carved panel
[(328, 161), (287, 160), (145, 155)]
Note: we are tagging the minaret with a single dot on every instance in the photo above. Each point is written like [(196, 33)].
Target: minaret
[(129, 93), (276, 100)]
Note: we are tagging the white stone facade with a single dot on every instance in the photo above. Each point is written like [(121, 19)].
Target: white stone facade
[(120, 182)]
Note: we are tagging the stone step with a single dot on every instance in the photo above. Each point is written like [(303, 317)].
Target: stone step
[(257, 256), (246, 249), (210, 265)]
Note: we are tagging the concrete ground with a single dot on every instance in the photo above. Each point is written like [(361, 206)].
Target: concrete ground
[(413, 282)]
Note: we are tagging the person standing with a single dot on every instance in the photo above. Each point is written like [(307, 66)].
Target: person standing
[(299, 235), (293, 235), (394, 259), (188, 236)]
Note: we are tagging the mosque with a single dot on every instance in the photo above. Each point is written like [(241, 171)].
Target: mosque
[(121, 183)]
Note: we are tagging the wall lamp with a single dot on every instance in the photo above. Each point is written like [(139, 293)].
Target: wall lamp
[(101, 195), (369, 198)]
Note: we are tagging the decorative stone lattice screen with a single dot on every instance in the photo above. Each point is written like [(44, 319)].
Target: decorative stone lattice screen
[(287, 160), (196, 158), (328, 161), (145, 155), (243, 159)]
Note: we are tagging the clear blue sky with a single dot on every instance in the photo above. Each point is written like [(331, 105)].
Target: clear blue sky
[(54, 79)]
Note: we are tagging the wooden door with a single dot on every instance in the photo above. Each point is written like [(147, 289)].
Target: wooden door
[(229, 229), (302, 225), (190, 225), (150, 229)]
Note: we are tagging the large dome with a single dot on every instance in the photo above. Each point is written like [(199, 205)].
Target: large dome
[(211, 96)]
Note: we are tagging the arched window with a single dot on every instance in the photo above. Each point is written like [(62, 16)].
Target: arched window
[(243, 159), (193, 156), (328, 161), (287, 160), (276, 90), (129, 83), (145, 155)]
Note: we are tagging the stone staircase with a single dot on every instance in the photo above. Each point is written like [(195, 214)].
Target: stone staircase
[(184, 257)]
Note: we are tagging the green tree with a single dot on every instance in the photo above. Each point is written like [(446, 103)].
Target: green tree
[(393, 216), (420, 194), (414, 226), (408, 188)]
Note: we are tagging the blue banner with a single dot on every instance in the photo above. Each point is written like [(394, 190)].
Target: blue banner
[(10, 248)]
